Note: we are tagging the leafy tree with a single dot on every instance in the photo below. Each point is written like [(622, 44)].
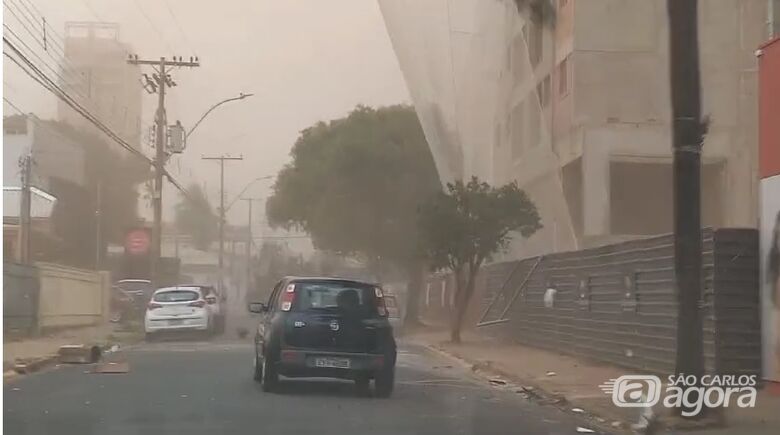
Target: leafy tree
[(463, 227), (355, 185), (196, 217)]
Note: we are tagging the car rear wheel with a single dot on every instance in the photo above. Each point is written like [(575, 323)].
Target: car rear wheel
[(384, 381), (269, 375)]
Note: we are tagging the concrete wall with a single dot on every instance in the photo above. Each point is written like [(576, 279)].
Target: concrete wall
[(72, 297)]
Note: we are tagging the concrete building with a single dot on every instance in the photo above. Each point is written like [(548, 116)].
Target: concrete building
[(578, 113), (101, 80), (56, 161)]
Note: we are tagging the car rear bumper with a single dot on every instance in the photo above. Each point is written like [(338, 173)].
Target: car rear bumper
[(304, 363), (183, 324)]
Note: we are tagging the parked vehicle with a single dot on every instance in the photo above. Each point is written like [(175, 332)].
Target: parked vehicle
[(179, 308), (325, 327), (216, 301)]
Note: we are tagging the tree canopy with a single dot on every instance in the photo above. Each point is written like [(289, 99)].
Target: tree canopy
[(463, 227), (355, 183), (196, 217)]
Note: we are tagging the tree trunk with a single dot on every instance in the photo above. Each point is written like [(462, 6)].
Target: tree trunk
[(462, 298), (416, 278), (687, 137)]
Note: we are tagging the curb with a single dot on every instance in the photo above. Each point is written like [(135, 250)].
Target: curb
[(531, 390)]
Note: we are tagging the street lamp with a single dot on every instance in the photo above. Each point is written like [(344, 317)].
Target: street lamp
[(240, 96), (267, 177)]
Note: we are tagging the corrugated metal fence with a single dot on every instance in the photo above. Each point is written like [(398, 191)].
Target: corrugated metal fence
[(617, 303)]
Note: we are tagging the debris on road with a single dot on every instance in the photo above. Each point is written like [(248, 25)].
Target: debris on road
[(551, 373), (581, 429), (496, 381), (112, 368), (79, 354), (578, 410)]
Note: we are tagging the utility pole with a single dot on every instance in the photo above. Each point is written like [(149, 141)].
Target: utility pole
[(249, 202), (222, 160), (687, 138), (25, 219), (157, 83)]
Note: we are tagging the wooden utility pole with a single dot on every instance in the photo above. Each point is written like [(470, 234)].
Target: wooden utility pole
[(222, 160), (157, 83), (249, 202), (687, 138)]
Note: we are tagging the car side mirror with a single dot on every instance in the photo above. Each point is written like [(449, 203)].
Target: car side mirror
[(258, 307)]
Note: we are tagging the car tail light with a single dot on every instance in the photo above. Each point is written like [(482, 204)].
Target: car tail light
[(288, 297), (198, 304), (153, 306)]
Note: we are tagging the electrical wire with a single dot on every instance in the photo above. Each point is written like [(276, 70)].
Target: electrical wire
[(52, 87), (178, 25), (153, 26)]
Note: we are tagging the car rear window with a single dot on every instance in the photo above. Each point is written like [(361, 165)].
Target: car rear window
[(176, 296), (134, 285), (334, 296)]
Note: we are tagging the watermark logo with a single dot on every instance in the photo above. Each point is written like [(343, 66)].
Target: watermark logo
[(687, 392), (634, 391)]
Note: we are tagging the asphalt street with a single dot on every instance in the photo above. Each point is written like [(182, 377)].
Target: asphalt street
[(199, 387)]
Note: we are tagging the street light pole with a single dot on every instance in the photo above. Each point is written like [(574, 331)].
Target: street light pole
[(240, 96), (222, 159)]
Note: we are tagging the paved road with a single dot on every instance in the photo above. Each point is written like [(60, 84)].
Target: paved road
[(206, 388)]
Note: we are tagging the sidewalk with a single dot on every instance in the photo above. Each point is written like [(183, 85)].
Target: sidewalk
[(46, 347), (574, 383)]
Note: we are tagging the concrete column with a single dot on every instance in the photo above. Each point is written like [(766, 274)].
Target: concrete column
[(595, 190)]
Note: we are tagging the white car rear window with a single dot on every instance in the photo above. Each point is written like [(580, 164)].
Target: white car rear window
[(176, 296)]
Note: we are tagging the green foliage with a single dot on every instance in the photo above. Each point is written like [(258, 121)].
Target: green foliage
[(74, 220), (465, 226), (355, 184), (471, 221), (196, 217)]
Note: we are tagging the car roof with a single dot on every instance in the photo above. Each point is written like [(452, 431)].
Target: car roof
[(179, 287), (328, 279), (134, 280)]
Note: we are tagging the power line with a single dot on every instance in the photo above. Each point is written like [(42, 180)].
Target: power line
[(151, 23), (41, 38), (178, 25), (52, 87), (34, 53)]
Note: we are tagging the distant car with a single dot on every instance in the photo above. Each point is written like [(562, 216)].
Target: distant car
[(129, 298), (215, 301), (178, 308), (394, 312), (325, 327)]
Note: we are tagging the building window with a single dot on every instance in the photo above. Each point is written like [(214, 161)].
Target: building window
[(564, 77)]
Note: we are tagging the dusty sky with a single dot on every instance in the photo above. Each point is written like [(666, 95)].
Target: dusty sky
[(305, 61)]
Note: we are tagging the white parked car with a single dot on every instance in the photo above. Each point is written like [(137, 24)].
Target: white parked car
[(178, 308)]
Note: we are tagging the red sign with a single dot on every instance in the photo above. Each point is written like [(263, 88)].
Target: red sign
[(137, 241), (769, 108)]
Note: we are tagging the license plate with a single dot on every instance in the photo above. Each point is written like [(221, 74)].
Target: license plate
[(175, 322), (336, 363)]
